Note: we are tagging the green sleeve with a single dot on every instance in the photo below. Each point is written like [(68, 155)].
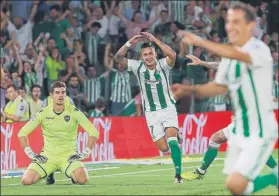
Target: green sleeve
[(86, 124), (66, 24), (31, 125), (48, 61)]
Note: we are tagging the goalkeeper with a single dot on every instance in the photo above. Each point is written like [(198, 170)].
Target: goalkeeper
[(59, 128)]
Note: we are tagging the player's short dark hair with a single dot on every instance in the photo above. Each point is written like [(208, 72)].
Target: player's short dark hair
[(12, 86), (100, 103), (55, 7), (57, 84), (147, 45), (249, 11), (35, 86)]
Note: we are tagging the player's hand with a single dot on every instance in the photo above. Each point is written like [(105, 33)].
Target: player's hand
[(149, 36), (191, 39), (80, 156), (178, 91), (34, 156), (195, 60), (136, 39)]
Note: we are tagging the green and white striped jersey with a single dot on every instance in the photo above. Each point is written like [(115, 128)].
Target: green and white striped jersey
[(250, 89), (96, 113), (120, 86), (92, 88), (275, 89), (154, 84), (220, 99)]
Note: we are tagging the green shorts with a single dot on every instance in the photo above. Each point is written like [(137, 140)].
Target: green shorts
[(53, 165)]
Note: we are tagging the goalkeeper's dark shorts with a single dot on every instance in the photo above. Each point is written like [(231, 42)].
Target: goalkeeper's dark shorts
[(57, 164)]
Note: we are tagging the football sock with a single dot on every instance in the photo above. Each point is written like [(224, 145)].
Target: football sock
[(175, 154), (209, 156), (260, 183)]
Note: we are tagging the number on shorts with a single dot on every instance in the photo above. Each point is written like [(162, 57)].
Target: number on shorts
[(151, 128)]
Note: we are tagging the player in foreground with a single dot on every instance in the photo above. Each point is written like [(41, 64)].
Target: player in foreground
[(158, 102), (59, 128), (255, 130), (216, 139)]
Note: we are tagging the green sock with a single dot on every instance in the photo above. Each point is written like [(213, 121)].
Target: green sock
[(175, 154), (271, 162), (263, 181), (209, 157)]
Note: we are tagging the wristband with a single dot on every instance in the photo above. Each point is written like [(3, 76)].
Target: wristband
[(28, 150), (87, 151), (128, 44)]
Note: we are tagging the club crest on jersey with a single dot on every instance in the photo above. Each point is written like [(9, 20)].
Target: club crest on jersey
[(157, 77), (67, 118)]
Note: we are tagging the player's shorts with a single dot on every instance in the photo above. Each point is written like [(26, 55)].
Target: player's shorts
[(228, 130), (53, 165), (158, 121), (247, 156)]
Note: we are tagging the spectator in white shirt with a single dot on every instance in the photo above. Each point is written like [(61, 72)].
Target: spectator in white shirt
[(23, 32)]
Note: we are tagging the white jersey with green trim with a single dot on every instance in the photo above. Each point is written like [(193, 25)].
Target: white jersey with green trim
[(250, 89), (154, 84)]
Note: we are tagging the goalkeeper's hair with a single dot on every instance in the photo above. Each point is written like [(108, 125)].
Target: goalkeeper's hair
[(57, 84)]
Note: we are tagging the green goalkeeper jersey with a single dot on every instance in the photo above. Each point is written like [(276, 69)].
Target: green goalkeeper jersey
[(59, 130)]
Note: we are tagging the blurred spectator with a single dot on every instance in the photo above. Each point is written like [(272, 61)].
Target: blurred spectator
[(100, 107), (161, 22), (74, 91), (62, 27), (176, 8), (17, 109), (23, 32), (129, 11), (34, 101), (22, 93), (120, 89), (21, 9), (138, 102), (92, 42), (54, 64)]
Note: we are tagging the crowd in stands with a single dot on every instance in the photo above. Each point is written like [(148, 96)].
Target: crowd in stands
[(74, 41)]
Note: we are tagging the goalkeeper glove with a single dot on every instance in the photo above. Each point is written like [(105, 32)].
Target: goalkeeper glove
[(34, 156), (80, 156)]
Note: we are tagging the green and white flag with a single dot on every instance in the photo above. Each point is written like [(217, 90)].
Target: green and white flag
[(129, 109)]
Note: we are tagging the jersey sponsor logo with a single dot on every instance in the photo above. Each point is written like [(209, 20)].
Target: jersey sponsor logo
[(157, 77), (21, 108), (50, 118), (67, 118)]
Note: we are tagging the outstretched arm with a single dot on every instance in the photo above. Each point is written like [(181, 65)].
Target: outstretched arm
[(120, 55), (224, 50), (171, 55), (210, 89), (197, 61)]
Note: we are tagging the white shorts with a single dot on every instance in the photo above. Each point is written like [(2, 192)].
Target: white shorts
[(158, 121), (247, 156), (227, 130)]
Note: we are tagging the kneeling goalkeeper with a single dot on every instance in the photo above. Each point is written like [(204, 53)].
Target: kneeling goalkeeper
[(59, 128)]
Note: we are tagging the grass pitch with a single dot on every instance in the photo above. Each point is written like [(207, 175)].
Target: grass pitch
[(117, 179)]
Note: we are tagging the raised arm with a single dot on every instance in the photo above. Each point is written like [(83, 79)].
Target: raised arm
[(76, 66), (120, 14), (18, 58), (33, 11), (120, 55), (171, 55)]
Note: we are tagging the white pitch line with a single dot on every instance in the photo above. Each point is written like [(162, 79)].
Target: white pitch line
[(120, 174)]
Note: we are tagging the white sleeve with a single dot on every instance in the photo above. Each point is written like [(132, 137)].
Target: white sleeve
[(133, 65), (260, 55), (163, 63), (21, 109), (11, 27), (221, 75)]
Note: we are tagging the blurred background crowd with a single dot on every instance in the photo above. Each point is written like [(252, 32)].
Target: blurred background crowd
[(74, 41)]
